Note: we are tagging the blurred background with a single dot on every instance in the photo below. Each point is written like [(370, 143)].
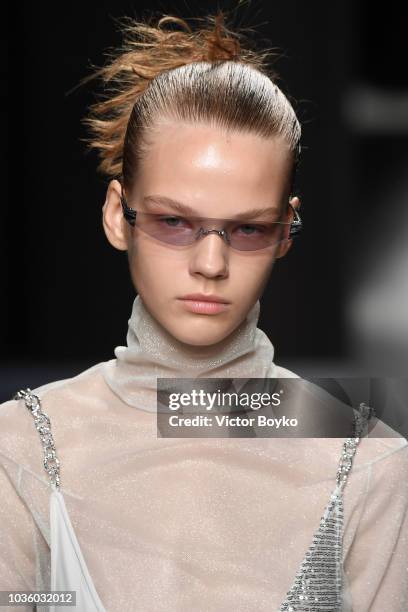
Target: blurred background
[(335, 306)]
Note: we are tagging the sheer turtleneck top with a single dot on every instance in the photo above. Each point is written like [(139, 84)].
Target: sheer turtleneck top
[(141, 522)]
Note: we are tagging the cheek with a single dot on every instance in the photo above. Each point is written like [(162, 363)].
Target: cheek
[(153, 270), (146, 277)]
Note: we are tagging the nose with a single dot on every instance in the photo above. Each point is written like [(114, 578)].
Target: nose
[(209, 256)]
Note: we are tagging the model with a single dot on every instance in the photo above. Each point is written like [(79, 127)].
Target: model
[(200, 147)]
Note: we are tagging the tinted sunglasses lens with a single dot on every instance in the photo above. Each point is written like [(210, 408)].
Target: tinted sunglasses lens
[(168, 229), (253, 237)]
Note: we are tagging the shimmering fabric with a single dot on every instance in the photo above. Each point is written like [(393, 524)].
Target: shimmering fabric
[(318, 585), (194, 524)]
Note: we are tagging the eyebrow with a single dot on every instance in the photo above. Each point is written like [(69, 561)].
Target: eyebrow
[(187, 210)]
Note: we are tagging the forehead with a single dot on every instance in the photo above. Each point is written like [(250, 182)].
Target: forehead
[(214, 171)]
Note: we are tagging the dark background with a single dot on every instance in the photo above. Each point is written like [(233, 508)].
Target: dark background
[(67, 292)]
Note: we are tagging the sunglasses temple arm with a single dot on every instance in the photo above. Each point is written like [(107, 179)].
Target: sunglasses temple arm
[(296, 225), (128, 213)]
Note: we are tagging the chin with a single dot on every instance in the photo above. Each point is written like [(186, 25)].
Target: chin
[(194, 341), (194, 330), (193, 335), (202, 335)]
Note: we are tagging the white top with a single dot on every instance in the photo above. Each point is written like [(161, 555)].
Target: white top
[(69, 571), (68, 566)]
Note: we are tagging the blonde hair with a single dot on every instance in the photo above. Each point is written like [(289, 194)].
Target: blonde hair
[(209, 74)]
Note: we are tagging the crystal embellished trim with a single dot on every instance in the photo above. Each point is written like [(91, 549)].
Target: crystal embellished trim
[(318, 584), (43, 426)]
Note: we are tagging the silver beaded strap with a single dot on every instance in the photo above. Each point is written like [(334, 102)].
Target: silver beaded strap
[(43, 425), (318, 583), (364, 413)]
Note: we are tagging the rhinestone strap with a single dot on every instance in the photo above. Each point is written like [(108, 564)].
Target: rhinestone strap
[(43, 425), (318, 583), (361, 418)]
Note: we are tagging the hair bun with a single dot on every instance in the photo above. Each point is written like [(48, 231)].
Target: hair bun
[(150, 48)]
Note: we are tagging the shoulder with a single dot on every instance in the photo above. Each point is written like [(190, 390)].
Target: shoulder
[(61, 400), (285, 373), (383, 450)]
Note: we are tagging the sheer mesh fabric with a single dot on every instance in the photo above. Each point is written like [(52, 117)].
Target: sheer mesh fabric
[(194, 524)]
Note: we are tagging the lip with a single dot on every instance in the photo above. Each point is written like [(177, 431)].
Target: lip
[(201, 297), (204, 306)]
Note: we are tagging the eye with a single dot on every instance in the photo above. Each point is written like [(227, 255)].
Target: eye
[(249, 229), (172, 221)]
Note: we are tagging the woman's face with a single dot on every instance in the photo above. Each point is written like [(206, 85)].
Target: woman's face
[(219, 175)]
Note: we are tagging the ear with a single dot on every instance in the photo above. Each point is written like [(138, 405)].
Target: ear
[(112, 217), (285, 246)]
